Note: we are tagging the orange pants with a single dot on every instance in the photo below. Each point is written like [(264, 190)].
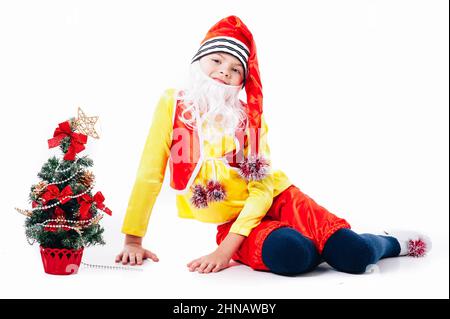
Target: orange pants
[(291, 208)]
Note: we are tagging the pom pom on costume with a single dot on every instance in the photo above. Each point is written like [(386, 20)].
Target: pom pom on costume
[(254, 168), (199, 196), (412, 243), (417, 248), (215, 191)]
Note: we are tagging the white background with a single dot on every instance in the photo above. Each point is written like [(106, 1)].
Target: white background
[(355, 96)]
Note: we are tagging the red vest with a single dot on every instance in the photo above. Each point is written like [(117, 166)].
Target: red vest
[(186, 151)]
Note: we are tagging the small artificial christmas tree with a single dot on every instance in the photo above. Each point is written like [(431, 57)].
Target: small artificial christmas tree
[(65, 213)]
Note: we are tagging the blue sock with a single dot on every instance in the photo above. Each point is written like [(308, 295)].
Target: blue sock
[(287, 252), (350, 252)]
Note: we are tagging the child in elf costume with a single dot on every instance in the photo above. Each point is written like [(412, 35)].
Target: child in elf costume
[(216, 147)]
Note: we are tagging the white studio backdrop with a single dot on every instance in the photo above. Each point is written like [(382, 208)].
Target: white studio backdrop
[(355, 96)]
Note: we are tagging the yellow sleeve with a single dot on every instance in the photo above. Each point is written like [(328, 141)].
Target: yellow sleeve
[(260, 193), (152, 167)]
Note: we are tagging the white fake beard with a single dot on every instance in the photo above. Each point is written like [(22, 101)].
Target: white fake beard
[(218, 104)]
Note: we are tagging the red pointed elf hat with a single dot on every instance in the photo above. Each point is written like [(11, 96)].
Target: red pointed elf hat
[(231, 35)]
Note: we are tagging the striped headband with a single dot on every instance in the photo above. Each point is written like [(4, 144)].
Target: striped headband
[(227, 45)]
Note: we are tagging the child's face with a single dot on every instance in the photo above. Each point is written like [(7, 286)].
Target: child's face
[(223, 67)]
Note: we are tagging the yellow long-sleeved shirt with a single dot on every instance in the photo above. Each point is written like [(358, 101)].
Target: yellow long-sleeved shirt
[(246, 201)]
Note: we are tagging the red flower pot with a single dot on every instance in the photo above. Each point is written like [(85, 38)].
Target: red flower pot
[(61, 261)]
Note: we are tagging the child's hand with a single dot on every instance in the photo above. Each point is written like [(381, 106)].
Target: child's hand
[(210, 263), (133, 252)]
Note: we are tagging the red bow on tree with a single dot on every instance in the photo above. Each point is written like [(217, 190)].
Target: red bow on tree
[(86, 201), (77, 140), (54, 193)]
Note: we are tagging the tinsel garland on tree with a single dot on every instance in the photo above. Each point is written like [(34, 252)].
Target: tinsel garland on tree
[(91, 235)]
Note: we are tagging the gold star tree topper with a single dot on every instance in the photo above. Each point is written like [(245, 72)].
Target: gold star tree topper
[(85, 124)]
